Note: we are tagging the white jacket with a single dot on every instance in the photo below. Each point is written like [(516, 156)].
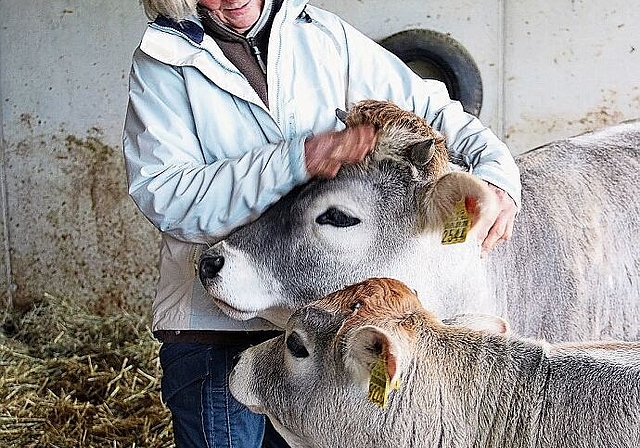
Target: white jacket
[(204, 155)]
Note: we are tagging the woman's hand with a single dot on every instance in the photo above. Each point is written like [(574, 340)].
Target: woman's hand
[(502, 228), (326, 153)]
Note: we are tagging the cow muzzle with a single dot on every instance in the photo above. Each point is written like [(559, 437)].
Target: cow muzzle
[(209, 266)]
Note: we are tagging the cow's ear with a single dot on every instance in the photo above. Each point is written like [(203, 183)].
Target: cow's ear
[(341, 115), (440, 202), (488, 323), (422, 152), (369, 346)]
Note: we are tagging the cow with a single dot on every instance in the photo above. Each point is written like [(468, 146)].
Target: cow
[(570, 271), (368, 366)]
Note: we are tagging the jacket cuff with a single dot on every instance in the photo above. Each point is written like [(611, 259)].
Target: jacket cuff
[(498, 178), (297, 160)]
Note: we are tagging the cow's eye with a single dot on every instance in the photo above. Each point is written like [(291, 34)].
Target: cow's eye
[(355, 306), (336, 218), (295, 346)]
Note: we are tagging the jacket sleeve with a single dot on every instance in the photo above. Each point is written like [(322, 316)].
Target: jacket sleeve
[(376, 73), (170, 181)]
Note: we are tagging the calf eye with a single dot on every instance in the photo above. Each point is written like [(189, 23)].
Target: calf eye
[(355, 306), (295, 346), (336, 218)]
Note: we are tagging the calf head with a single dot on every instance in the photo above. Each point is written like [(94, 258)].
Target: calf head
[(315, 382), (321, 365), (382, 217)]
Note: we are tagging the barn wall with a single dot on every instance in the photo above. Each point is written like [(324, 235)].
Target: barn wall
[(551, 69), (70, 226), (570, 66)]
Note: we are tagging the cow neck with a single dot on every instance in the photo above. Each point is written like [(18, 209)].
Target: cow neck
[(519, 369), (248, 51), (501, 380)]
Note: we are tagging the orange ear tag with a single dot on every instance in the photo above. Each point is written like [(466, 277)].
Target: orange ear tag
[(457, 225)]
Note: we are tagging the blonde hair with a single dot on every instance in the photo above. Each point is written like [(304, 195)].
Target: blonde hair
[(172, 9)]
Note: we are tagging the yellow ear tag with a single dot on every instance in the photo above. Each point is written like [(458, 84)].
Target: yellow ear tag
[(457, 225), (379, 383)]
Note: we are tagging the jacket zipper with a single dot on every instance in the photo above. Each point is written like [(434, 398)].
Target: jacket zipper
[(256, 52)]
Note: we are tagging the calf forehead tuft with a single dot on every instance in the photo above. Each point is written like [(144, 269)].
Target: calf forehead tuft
[(375, 299), (385, 115), (397, 129)]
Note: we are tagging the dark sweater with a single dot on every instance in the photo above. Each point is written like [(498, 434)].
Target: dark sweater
[(248, 55)]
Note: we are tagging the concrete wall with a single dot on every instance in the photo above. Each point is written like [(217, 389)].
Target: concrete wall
[(551, 69), (69, 226), (570, 66)]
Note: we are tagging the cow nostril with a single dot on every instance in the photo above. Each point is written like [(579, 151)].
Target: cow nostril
[(209, 266)]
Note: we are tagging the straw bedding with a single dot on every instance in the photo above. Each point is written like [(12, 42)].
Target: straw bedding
[(71, 377)]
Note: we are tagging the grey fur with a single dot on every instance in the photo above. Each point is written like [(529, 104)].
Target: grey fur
[(459, 389)]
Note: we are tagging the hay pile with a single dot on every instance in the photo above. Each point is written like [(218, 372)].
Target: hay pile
[(72, 378)]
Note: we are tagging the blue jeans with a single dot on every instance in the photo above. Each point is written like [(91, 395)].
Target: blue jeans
[(203, 412)]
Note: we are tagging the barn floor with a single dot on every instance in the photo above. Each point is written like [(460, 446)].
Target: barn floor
[(73, 378)]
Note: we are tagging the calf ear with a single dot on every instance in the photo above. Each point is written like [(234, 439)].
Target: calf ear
[(488, 323), (341, 115), (367, 346), (438, 203), (422, 152)]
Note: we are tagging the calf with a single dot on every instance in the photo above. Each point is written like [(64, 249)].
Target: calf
[(368, 366), (570, 272)]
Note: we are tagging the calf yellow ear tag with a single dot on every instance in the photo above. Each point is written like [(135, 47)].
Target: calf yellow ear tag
[(457, 225), (379, 383)]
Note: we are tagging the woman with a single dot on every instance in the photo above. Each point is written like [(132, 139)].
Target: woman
[(231, 105)]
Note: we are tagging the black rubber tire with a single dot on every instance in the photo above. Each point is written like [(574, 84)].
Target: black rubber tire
[(436, 55)]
